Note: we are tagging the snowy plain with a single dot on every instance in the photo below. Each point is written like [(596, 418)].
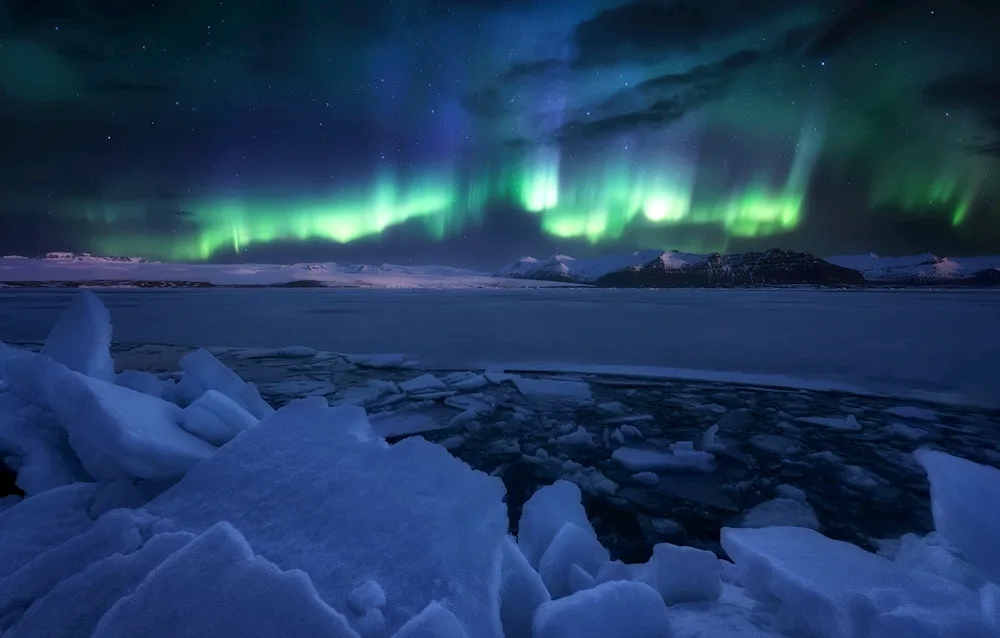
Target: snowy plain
[(938, 345)]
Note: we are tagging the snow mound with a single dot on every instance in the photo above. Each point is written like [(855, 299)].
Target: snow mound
[(310, 496)]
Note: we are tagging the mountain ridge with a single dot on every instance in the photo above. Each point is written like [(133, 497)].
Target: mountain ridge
[(657, 268)]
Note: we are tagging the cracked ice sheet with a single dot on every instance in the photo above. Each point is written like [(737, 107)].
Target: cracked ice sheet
[(411, 517)]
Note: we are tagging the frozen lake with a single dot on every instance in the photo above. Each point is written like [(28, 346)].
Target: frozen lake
[(945, 343)]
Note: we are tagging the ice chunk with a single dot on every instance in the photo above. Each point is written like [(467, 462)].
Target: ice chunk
[(833, 589), (781, 511), (544, 514), (850, 422), (81, 338), (611, 407), (114, 430), (616, 609), (208, 373), (216, 583), (309, 495), (590, 479), (147, 383), (932, 554), (681, 574), (580, 579), (914, 413), (571, 546), (423, 383), (378, 360), (32, 377), (578, 437), (521, 591), (38, 443), (709, 442), (615, 570), (471, 383), (630, 430), (113, 533), (965, 502), (76, 604), (435, 621), (903, 431), (215, 418), (552, 389), (792, 492), (41, 522), (637, 460), (646, 478), (365, 596)]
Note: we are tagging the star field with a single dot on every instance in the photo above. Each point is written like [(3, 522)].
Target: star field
[(473, 132)]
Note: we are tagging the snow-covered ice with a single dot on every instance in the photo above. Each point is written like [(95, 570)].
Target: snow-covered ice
[(638, 460), (146, 516)]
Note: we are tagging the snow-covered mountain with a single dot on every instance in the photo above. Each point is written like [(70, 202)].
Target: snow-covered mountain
[(73, 270), (921, 269), (655, 268)]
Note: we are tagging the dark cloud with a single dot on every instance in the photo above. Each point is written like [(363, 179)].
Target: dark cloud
[(662, 100), (648, 30), (858, 20), (976, 92)]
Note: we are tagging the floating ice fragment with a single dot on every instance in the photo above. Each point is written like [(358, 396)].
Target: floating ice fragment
[(578, 437), (913, 413), (850, 422), (552, 389), (638, 460), (646, 478), (423, 383)]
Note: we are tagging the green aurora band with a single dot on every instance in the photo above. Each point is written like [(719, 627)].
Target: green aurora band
[(594, 203)]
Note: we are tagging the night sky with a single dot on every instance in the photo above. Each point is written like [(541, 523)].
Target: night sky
[(476, 131)]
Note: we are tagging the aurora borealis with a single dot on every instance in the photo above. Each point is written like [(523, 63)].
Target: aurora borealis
[(473, 132)]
